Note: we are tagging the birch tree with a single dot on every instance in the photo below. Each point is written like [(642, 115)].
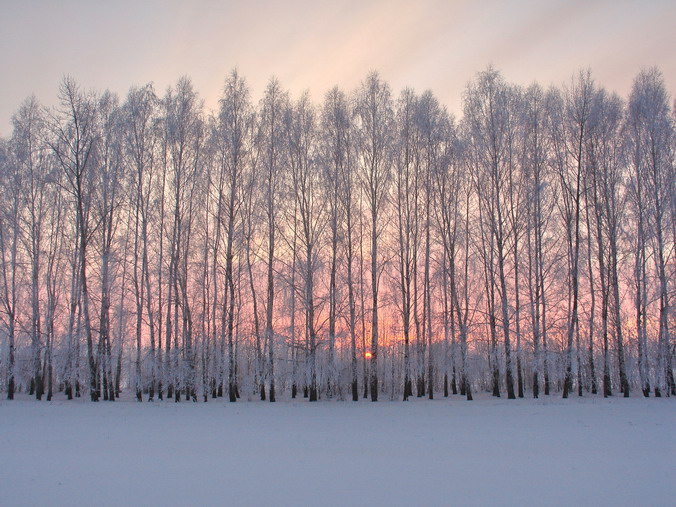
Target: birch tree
[(374, 118), (651, 135), (140, 151), (235, 124), (407, 189), (490, 124), (337, 159), (32, 161), (9, 249), (74, 140), (311, 206), (271, 138)]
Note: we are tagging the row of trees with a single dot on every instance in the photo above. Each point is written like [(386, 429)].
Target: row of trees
[(366, 245)]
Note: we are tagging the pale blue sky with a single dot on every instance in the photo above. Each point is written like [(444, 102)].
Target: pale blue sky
[(425, 44)]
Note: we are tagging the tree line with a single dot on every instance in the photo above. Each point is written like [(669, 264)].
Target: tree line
[(366, 246)]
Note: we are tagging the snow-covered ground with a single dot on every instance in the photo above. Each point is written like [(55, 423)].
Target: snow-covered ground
[(550, 451)]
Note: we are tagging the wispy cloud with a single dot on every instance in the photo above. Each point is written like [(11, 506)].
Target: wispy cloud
[(313, 45)]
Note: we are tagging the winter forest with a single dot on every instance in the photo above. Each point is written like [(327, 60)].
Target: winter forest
[(365, 244)]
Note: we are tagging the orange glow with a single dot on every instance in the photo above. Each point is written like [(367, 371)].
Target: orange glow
[(368, 355)]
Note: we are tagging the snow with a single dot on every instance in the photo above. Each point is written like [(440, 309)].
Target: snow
[(589, 451)]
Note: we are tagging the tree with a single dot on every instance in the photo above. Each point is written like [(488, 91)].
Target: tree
[(140, 152), (453, 191), (490, 124), (235, 124), (31, 158), (74, 140), (407, 189), (605, 154), (651, 135), (336, 153), (572, 115), (432, 127), (109, 179), (184, 131), (9, 245), (271, 139), (338, 147), (300, 128), (538, 211), (373, 122)]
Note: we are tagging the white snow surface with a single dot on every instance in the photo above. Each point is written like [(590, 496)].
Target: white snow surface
[(580, 451)]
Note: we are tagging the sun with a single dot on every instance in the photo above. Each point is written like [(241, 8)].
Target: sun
[(368, 355)]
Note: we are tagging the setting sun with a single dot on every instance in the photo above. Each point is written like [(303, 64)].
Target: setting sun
[(368, 355)]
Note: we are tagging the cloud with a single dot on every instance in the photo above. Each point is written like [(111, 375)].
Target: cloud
[(315, 45)]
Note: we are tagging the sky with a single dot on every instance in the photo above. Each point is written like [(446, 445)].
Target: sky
[(437, 45)]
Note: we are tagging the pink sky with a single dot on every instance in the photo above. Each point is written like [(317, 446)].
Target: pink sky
[(438, 45)]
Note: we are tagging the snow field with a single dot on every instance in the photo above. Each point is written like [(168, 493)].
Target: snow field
[(589, 451)]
